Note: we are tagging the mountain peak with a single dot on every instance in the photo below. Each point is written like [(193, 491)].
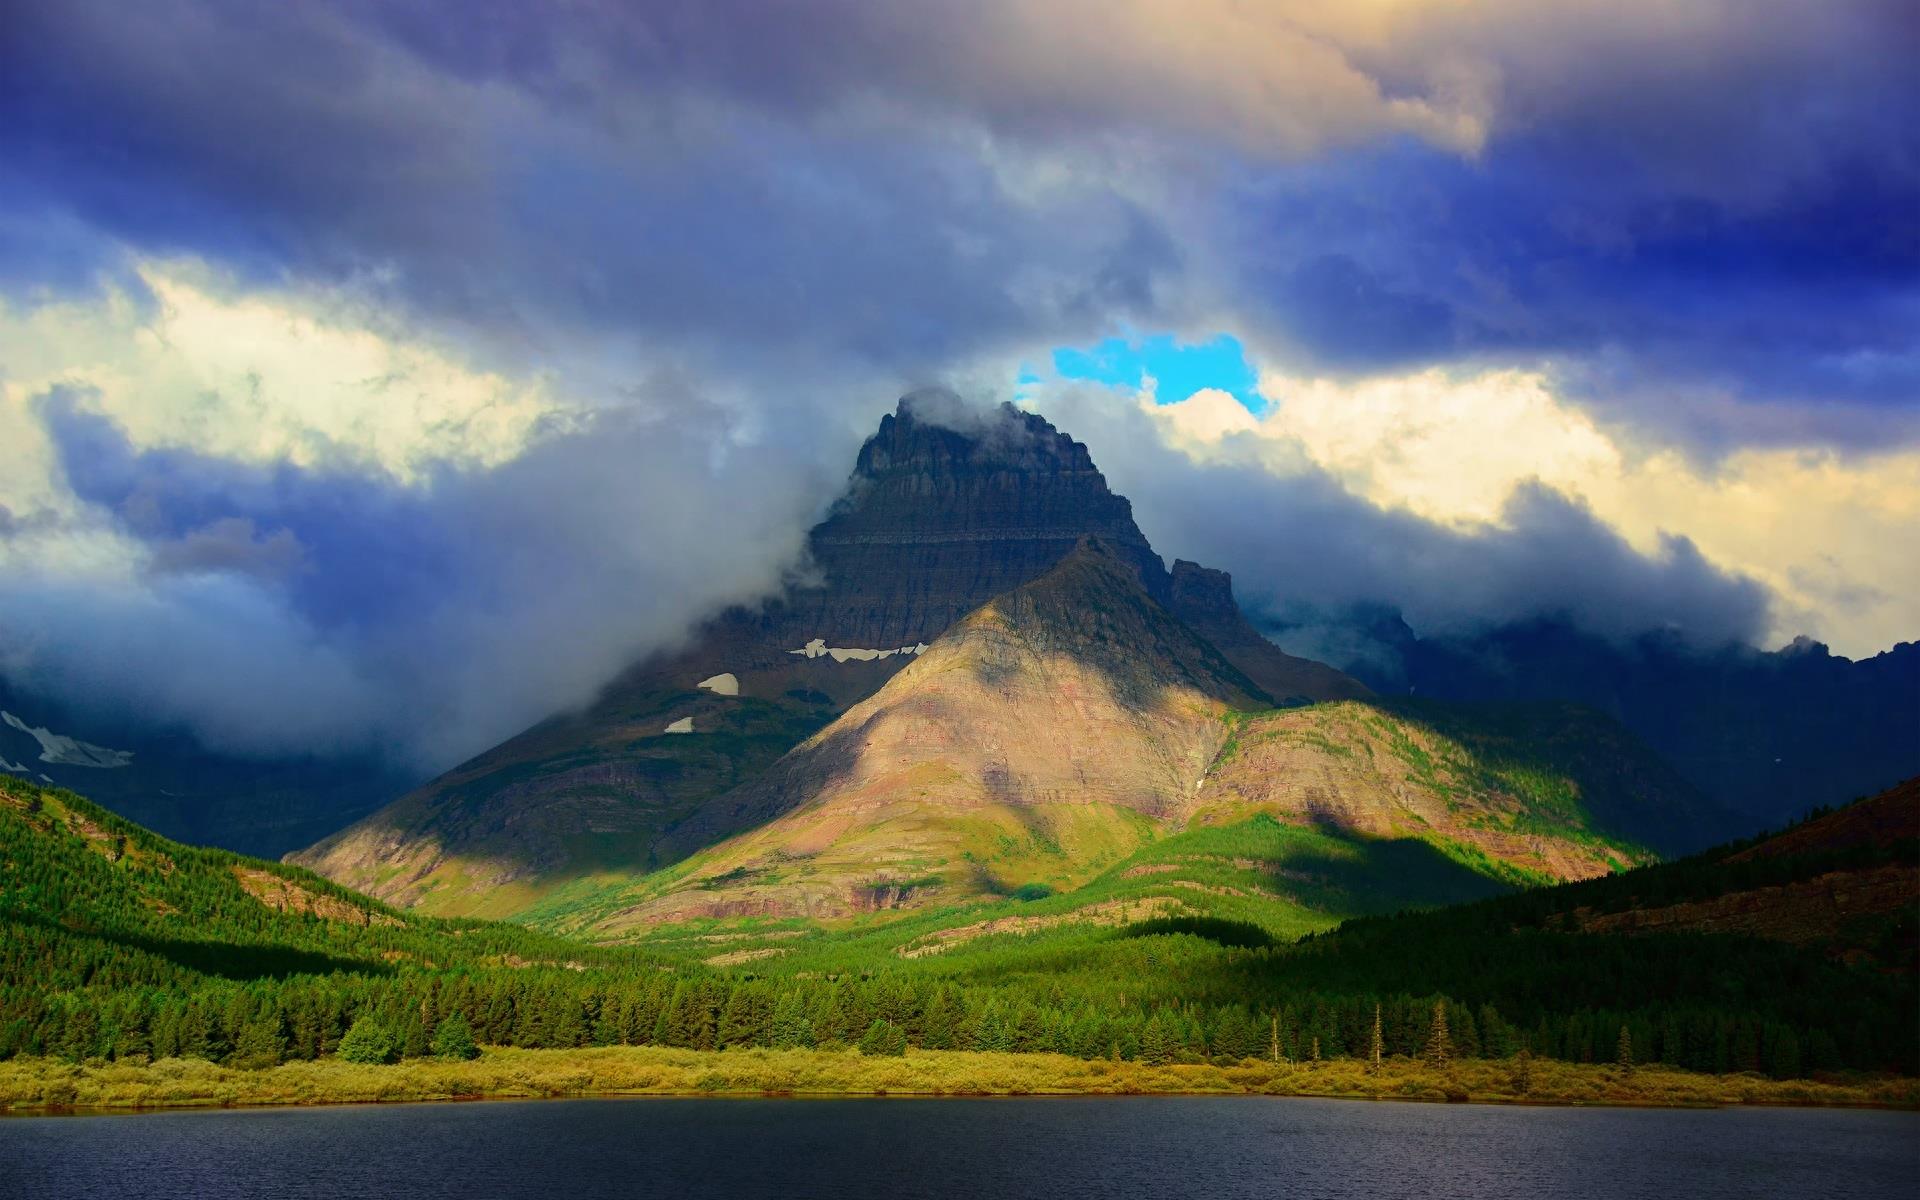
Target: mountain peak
[(934, 430), (948, 506)]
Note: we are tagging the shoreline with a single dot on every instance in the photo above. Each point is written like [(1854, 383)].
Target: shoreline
[(50, 1086)]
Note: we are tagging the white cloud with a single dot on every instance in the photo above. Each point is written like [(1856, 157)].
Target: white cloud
[(275, 519), (259, 376), (1821, 530)]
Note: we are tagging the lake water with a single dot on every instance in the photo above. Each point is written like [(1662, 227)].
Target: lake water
[(900, 1149)]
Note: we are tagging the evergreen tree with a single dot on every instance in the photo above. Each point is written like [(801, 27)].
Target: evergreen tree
[(370, 1040), (1377, 1044), (738, 1025), (260, 1043), (792, 1026), (939, 1022), (883, 1037), (453, 1038), (1157, 1044), (1523, 1071), (1623, 1050), (1439, 1051)]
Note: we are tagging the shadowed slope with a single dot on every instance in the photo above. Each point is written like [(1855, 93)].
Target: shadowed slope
[(90, 900), (1203, 598)]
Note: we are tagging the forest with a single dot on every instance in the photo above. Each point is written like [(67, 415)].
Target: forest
[(120, 945)]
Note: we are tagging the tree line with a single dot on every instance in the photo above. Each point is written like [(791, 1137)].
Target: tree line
[(263, 1022)]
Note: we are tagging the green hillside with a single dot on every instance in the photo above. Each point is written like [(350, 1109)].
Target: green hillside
[(123, 945)]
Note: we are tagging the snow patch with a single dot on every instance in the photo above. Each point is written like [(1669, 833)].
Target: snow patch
[(683, 725), (723, 684), (818, 648), (62, 750), (15, 768)]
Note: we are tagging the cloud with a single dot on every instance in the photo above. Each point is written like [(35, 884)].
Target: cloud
[(1704, 198), (1812, 526), (230, 545), (1780, 315), (390, 341), (273, 607), (1301, 545)]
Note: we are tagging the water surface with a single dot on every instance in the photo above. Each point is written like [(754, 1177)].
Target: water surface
[(685, 1149)]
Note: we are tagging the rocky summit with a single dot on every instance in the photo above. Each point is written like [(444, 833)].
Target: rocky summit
[(947, 508), (940, 518)]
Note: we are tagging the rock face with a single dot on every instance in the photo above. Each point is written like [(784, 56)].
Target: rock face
[(1075, 688), (943, 513), (939, 520)]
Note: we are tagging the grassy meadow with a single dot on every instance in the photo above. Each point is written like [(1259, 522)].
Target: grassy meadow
[(45, 1084)]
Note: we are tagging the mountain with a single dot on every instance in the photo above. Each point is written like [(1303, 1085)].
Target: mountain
[(1766, 734), (943, 512), (1069, 723), (169, 782)]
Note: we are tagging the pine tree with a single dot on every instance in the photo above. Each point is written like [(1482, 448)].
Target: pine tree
[(453, 1038), (259, 1044), (883, 1037), (791, 1025), (1523, 1070), (1623, 1050), (737, 1019), (1156, 1041), (1377, 1048), (1439, 1044), (370, 1040)]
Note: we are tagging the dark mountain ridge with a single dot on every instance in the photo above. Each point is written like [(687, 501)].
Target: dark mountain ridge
[(1767, 734), (168, 781)]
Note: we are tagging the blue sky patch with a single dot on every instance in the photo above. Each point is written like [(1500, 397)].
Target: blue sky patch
[(1179, 369)]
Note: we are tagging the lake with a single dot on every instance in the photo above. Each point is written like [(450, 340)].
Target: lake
[(900, 1149)]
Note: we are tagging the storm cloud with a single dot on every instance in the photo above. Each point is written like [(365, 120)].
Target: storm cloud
[(283, 609), (676, 257), (1704, 200)]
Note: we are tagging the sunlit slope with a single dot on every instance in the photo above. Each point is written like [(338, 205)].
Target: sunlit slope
[(1061, 729), (1043, 738), (90, 899)]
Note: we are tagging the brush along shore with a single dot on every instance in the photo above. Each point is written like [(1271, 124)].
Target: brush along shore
[(42, 1084)]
